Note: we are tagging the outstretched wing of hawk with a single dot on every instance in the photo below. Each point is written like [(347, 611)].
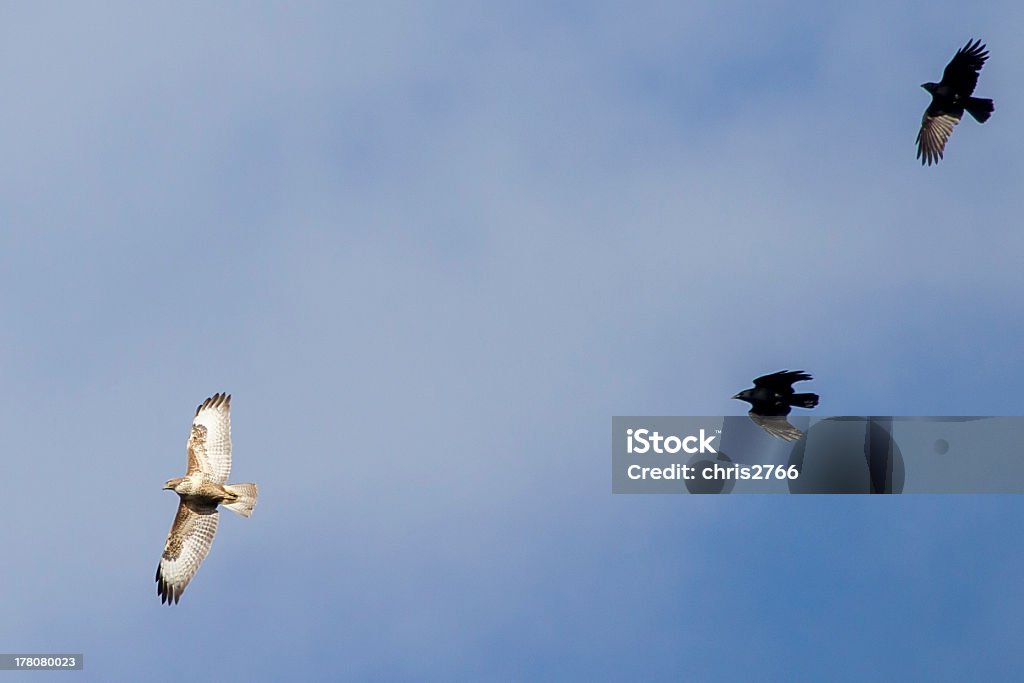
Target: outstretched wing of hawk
[(201, 490), (209, 444), (187, 545)]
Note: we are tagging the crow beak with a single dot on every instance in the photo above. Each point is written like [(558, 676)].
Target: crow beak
[(736, 396)]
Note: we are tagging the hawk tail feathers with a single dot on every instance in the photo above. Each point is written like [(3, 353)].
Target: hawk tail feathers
[(979, 108), (246, 498)]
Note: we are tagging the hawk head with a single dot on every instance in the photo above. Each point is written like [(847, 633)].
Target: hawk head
[(173, 484)]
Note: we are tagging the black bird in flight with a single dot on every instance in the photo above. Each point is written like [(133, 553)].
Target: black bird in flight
[(950, 98), (771, 399)]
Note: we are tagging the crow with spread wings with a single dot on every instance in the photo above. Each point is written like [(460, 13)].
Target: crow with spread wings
[(951, 97), (771, 400)]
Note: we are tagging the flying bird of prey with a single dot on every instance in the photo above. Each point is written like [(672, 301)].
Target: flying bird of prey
[(950, 98), (771, 399), (201, 490)]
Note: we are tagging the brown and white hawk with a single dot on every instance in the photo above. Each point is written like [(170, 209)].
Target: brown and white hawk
[(201, 490)]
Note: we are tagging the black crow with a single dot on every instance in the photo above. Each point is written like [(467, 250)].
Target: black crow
[(771, 399), (950, 98)]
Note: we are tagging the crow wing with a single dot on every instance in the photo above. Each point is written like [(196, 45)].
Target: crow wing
[(961, 74), (781, 382), (776, 426), (934, 133)]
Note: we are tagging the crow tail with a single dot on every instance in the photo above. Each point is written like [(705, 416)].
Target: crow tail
[(979, 108), (803, 400)]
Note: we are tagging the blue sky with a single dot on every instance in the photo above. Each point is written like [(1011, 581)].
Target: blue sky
[(431, 251)]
